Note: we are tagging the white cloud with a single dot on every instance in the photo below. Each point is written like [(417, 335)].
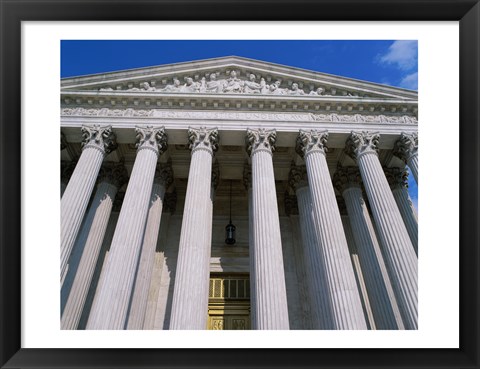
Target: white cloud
[(410, 81), (402, 53)]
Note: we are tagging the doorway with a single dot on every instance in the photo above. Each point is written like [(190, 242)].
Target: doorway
[(229, 302)]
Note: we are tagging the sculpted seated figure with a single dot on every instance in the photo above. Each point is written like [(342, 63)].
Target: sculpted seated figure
[(190, 85), (233, 84), (175, 87), (252, 87), (295, 90), (144, 86), (274, 89), (214, 85), (318, 92)]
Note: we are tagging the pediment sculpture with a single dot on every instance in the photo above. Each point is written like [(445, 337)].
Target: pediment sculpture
[(232, 84)]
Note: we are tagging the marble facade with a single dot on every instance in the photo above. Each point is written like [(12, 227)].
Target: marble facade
[(315, 167)]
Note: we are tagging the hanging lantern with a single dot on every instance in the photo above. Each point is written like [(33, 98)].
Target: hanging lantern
[(230, 228)]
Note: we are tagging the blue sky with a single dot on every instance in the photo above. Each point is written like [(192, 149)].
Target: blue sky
[(390, 62)]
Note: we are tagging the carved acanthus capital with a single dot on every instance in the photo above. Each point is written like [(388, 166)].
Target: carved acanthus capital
[(66, 169), (260, 140), (346, 177), (247, 176), (63, 141), (406, 146), (164, 174), (151, 138), (397, 177), (311, 141), (170, 202), (291, 204), (359, 143), (113, 173), (215, 175), (203, 139), (99, 137), (297, 177)]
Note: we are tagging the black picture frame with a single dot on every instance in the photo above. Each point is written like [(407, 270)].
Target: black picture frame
[(12, 13)]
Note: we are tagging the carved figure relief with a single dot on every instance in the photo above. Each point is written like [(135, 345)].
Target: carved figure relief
[(232, 83)]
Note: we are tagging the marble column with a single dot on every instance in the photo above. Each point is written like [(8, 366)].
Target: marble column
[(291, 210), (406, 148), (97, 142), (111, 303), (154, 298), (367, 309), (380, 292), (163, 180), (271, 308), (345, 300), (398, 180), (190, 295), (315, 269), (398, 250), (112, 176)]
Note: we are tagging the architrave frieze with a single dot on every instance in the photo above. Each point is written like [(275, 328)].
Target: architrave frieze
[(232, 126)]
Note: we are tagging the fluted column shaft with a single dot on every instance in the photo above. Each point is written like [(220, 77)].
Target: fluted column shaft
[(321, 309), (398, 250), (271, 309), (147, 258), (97, 143), (398, 180), (101, 210), (110, 306), (409, 214), (412, 163), (190, 296), (367, 309), (380, 292), (345, 299)]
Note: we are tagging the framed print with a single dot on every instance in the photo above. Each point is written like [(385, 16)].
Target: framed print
[(156, 256)]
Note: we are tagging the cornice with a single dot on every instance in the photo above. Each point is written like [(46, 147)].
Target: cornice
[(280, 103)]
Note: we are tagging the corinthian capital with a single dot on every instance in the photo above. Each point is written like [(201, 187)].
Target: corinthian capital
[(406, 146), (346, 177), (114, 173), (152, 138), (311, 141), (260, 140), (359, 143), (203, 139), (99, 137), (397, 177), (164, 174), (297, 177)]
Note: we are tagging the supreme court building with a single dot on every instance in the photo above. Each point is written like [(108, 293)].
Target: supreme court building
[(231, 193)]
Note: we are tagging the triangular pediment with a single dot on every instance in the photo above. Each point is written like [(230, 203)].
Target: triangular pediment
[(224, 77)]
